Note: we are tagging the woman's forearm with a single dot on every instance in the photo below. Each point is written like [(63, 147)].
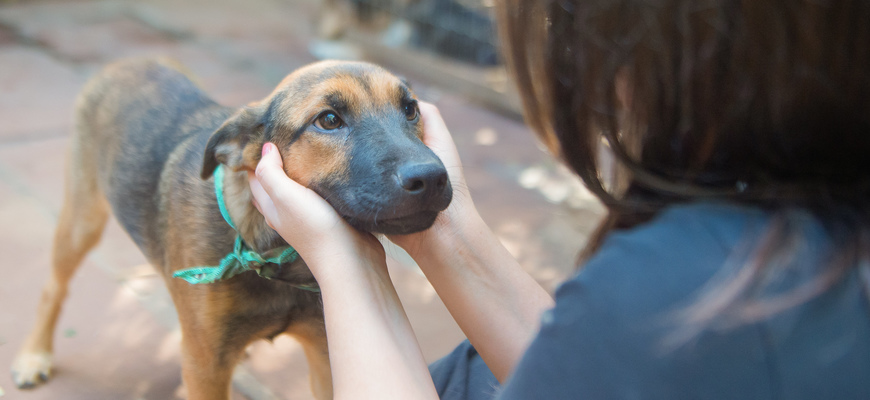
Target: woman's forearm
[(495, 302), (372, 349)]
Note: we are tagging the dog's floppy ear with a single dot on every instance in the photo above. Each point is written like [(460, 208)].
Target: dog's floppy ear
[(405, 82), (231, 144)]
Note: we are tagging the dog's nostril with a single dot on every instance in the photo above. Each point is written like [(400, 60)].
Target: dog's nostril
[(442, 182), (417, 179), (415, 185)]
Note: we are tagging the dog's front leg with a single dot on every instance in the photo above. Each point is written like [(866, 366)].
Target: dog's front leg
[(312, 336), (205, 377), (209, 355)]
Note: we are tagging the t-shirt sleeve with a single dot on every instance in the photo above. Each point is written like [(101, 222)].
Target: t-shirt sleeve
[(606, 336)]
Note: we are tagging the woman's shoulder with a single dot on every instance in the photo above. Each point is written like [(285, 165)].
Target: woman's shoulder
[(676, 253), (608, 333), (675, 228), (678, 250)]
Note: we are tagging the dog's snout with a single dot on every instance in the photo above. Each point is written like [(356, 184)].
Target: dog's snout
[(422, 179)]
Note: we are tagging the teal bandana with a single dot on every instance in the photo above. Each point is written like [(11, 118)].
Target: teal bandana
[(243, 258)]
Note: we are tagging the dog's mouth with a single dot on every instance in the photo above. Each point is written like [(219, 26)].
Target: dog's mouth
[(395, 226), (384, 212)]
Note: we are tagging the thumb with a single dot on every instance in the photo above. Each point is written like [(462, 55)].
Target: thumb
[(288, 196), (436, 135), (270, 171)]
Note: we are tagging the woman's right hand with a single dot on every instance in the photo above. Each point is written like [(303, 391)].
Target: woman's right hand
[(438, 139), (495, 302)]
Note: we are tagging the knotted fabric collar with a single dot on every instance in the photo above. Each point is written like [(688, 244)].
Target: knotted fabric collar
[(242, 258)]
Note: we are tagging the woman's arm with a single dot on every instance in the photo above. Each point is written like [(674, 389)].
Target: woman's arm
[(495, 302), (372, 348)]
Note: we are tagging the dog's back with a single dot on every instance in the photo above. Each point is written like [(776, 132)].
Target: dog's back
[(131, 118)]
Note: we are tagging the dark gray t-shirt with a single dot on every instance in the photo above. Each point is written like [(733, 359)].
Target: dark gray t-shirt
[(609, 333)]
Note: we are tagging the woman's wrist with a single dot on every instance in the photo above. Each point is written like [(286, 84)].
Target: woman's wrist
[(366, 324), (451, 228), (495, 302), (340, 259)]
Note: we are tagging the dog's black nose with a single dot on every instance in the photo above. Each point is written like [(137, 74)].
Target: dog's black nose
[(422, 179)]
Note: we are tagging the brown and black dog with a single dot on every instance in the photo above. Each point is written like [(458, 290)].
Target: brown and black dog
[(146, 143)]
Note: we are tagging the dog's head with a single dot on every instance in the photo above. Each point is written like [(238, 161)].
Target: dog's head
[(351, 132)]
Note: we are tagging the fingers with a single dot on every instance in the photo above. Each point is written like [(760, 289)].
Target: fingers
[(286, 203), (261, 200), (270, 185), (282, 191), (432, 120), (436, 135), (270, 172)]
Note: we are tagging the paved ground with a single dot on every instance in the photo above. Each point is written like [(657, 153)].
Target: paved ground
[(118, 337)]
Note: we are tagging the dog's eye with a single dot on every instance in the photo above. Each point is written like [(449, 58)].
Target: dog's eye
[(411, 111), (328, 121)]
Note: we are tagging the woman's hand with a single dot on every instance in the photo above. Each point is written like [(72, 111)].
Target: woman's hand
[(305, 220), (495, 302), (372, 348), (438, 139)]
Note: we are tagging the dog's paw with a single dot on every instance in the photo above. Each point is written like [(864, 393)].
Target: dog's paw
[(31, 369)]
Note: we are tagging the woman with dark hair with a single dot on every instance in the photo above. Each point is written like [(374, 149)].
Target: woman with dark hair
[(734, 261)]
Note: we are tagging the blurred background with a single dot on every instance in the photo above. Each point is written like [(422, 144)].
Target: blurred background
[(118, 336)]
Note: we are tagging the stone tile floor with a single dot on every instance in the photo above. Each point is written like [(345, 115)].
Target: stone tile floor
[(118, 335)]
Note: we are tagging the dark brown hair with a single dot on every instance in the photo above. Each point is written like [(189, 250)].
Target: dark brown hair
[(755, 102)]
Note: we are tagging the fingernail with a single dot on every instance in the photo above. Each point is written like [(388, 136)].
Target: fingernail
[(267, 148)]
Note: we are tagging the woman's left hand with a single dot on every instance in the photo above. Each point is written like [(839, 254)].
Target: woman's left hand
[(372, 348), (305, 220)]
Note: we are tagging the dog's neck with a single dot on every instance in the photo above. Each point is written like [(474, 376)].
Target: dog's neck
[(250, 224)]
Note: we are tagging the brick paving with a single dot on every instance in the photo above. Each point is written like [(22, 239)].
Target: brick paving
[(118, 335)]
